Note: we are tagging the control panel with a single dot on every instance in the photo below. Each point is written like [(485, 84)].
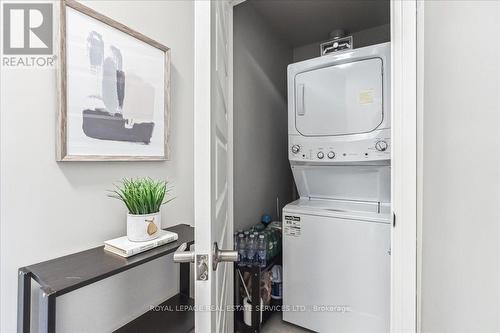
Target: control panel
[(369, 149)]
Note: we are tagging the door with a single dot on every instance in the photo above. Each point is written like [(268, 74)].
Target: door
[(340, 99), (212, 156)]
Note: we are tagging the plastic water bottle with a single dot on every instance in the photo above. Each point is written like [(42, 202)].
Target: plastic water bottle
[(262, 251), (270, 245), (251, 250), (241, 248), (276, 282), (276, 243)]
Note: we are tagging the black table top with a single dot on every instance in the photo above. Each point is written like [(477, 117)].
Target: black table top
[(64, 274)]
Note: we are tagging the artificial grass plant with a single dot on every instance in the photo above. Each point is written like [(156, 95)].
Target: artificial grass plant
[(141, 195)]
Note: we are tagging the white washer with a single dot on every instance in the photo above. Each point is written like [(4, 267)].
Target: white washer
[(336, 265)]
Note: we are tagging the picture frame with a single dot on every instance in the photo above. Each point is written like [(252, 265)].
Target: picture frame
[(114, 90)]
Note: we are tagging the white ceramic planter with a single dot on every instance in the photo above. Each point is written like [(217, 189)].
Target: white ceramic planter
[(141, 228)]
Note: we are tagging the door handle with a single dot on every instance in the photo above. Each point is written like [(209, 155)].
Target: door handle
[(300, 100), (181, 255), (222, 256)]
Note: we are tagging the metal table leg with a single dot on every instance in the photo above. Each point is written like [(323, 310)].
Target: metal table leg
[(255, 299), (47, 320), (184, 279), (23, 300)]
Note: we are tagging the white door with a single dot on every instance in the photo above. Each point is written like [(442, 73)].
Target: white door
[(212, 156)]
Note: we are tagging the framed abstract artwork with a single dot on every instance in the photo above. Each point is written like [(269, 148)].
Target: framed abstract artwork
[(114, 101)]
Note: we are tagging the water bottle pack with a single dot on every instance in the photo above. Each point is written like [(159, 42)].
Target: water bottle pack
[(258, 245)]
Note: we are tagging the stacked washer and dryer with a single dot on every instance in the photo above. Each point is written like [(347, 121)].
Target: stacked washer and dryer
[(337, 235)]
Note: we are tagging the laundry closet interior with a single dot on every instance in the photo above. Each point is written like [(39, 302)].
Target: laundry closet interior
[(312, 150)]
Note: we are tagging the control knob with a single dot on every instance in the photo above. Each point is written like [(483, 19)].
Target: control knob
[(331, 155), (321, 155), (295, 149), (381, 145)]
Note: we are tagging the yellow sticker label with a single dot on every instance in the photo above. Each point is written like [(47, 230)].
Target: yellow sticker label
[(366, 97)]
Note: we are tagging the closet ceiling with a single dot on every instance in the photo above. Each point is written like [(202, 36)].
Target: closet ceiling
[(302, 22)]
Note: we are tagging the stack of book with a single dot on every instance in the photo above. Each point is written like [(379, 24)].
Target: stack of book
[(125, 248)]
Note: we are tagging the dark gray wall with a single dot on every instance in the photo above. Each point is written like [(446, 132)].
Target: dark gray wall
[(261, 168), (371, 36)]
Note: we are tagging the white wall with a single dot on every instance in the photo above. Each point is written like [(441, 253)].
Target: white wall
[(261, 168), (460, 289), (375, 35), (50, 209)]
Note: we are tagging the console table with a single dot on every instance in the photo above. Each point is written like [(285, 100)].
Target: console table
[(65, 274)]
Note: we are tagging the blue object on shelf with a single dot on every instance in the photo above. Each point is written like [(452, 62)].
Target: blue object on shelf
[(266, 219)]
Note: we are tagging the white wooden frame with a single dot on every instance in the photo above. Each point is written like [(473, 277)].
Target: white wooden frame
[(202, 153), (420, 152), (404, 166), (404, 157)]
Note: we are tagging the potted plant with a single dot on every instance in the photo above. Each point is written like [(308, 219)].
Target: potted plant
[(143, 198)]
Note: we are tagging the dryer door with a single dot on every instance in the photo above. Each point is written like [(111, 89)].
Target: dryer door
[(340, 99)]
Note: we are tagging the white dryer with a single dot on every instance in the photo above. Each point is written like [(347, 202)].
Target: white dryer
[(339, 106), (336, 237)]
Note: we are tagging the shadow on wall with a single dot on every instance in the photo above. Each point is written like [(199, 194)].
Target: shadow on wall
[(262, 76)]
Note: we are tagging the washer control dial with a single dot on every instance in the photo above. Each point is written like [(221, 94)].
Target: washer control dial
[(321, 155), (381, 145), (331, 155), (295, 149)]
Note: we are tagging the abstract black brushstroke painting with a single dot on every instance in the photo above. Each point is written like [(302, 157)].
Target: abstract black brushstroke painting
[(108, 123)]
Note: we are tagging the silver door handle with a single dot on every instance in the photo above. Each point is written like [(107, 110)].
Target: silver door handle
[(181, 255), (222, 256)]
